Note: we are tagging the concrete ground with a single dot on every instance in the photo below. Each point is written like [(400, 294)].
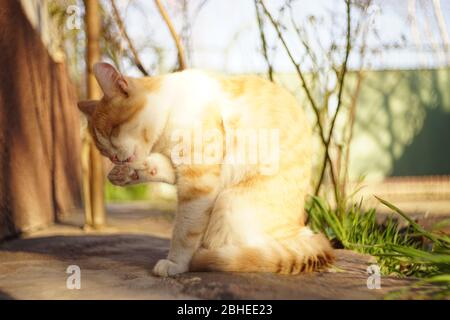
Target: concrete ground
[(117, 263)]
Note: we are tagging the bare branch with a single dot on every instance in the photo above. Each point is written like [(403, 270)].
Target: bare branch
[(124, 33), (442, 28), (198, 9), (353, 105), (297, 68), (342, 74), (305, 87), (351, 123), (412, 17), (181, 58), (303, 40), (263, 41)]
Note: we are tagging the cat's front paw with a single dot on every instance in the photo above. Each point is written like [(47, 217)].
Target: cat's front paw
[(122, 175), (167, 268)]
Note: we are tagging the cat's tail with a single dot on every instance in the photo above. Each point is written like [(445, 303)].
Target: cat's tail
[(303, 253)]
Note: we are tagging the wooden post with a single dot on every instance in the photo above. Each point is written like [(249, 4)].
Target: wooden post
[(86, 180), (95, 206)]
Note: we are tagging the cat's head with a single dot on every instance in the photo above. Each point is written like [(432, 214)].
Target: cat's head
[(113, 121)]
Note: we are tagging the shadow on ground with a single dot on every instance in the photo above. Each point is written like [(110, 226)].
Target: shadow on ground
[(118, 267), (5, 296)]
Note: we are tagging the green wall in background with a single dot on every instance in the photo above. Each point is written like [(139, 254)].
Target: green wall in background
[(403, 124)]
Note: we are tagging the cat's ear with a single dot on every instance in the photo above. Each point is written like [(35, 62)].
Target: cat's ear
[(110, 80), (87, 106)]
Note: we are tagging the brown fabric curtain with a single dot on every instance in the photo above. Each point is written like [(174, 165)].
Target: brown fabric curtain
[(40, 173)]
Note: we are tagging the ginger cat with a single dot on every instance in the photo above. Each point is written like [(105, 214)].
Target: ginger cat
[(232, 215)]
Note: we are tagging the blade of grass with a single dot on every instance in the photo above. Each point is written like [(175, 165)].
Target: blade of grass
[(419, 228)]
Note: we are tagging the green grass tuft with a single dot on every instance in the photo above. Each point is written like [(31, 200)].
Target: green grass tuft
[(408, 251)]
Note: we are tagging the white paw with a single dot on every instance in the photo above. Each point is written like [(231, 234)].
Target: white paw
[(167, 268)]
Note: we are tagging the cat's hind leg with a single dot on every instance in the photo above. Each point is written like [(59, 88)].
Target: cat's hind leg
[(258, 226)]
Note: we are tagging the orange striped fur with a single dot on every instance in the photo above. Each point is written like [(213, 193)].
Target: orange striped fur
[(231, 216)]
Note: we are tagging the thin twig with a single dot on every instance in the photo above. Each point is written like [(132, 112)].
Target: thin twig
[(304, 85), (181, 58), (263, 41), (353, 106), (342, 74), (304, 41), (351, 123), (442, 28), (297, 69), (124, 33)]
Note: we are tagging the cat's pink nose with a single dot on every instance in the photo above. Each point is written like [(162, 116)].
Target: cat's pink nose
[(130, 159), (114, 158)]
